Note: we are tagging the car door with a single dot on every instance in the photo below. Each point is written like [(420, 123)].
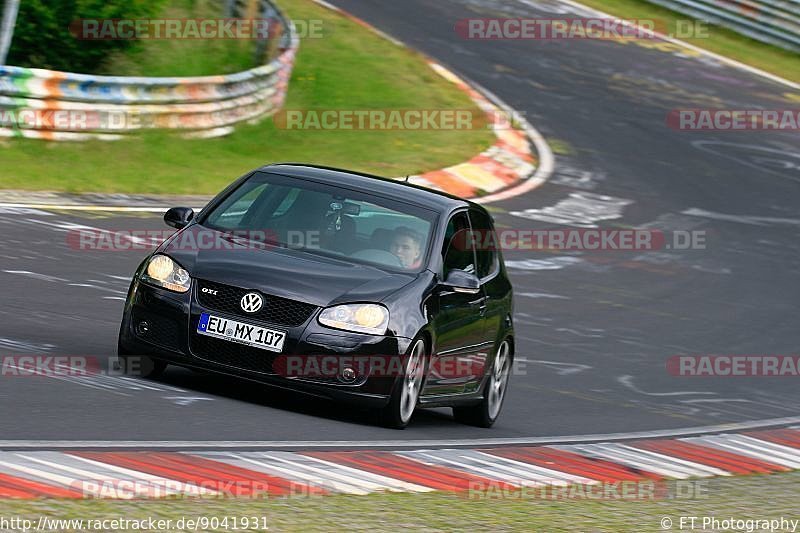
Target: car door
[(495, 288), (459, 318)]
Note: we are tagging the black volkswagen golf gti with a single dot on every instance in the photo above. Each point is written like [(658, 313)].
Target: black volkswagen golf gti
[(337, 284)]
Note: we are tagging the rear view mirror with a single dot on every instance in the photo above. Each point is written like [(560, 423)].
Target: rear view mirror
[(351, 209), (179, 217)]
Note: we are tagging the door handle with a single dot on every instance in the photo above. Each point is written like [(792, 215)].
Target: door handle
[(481, 302)]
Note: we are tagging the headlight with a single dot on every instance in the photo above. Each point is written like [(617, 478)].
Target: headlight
[(164, 272), (362, 318)]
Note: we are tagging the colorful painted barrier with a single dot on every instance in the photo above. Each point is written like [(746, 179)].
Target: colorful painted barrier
[(45, 104)]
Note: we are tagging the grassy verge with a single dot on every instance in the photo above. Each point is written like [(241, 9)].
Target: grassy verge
[(184, 57), (720, 40), (349, 67), (751, 497)]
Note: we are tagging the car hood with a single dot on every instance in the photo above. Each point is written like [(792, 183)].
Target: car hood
[(279, 271)]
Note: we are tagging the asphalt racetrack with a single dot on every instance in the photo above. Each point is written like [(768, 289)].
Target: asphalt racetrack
[(594, 330)]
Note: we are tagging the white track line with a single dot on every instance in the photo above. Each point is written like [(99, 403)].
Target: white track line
[(356, 444)]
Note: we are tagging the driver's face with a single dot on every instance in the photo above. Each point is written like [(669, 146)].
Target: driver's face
[(406, 249)]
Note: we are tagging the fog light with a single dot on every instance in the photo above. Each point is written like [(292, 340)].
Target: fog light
[(348, 374), (143, 328)]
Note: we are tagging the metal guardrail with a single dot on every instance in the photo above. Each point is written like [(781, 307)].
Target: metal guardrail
[(775, 22), (112, 106)]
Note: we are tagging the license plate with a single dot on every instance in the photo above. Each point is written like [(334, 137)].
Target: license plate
[(239, 332)]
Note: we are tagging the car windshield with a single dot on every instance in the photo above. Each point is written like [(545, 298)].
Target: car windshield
[(327, 220)]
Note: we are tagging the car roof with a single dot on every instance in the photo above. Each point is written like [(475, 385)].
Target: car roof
[(395, 189)]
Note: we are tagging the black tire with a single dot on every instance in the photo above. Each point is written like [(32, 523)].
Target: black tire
[(485, 413), (140, 365), (399, 411)]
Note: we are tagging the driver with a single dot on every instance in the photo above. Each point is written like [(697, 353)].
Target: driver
[(407, 247)]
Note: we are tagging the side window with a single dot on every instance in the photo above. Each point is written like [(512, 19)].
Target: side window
[(457, 251), (486, 240)]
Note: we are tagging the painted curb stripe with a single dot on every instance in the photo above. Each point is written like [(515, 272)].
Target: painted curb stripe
[(573, 463), (711, 457), (660, 464), (787, 437), (311, 484), (389, 464), (390, 481), (198, 474), (318, 478), (470, 461), (24, 488), (748, 449), (330, 470), (53, 474)]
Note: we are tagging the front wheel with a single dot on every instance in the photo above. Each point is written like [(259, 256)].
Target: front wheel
[(397, 414), (485, 413)]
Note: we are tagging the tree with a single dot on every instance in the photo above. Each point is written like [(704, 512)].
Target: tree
[(42, 37)]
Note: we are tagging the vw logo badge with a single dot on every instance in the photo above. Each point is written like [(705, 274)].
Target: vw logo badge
[(252, 302)]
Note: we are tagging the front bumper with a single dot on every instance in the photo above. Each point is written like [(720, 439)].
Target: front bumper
[(171, 323)]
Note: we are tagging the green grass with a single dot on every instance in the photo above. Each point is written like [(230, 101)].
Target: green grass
[(749, 497), (184, 57), (348, 68), (717, 39)]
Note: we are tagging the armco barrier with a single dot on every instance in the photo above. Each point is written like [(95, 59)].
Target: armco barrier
[(106, 107), (772, 21)]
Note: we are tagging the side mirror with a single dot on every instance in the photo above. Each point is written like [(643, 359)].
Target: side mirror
[(179, 217), (462, 281)]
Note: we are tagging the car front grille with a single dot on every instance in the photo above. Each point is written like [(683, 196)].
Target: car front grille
[(232, 354), (276, 310)]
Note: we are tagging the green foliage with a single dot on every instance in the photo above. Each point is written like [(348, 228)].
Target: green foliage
[(42, 37)]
